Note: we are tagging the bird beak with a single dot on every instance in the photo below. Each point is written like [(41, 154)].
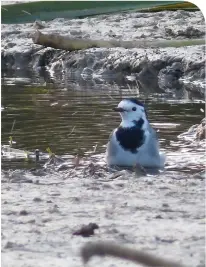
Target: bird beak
[(119, 109)]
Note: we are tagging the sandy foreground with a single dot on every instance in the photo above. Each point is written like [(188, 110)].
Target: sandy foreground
[(162, 214)]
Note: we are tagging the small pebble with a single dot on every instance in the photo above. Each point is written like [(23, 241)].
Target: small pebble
[(158, 217), (32, 221), (23, 212), (45, 220), (9, 244), (86, 230), (37, 199), (55, 209)]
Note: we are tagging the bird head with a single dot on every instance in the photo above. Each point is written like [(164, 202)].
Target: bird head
[(131, 111)]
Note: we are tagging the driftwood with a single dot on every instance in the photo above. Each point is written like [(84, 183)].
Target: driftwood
[(69, 44), (106, 248)]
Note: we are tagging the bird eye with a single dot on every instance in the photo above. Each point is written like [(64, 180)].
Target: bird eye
[(134, 108)]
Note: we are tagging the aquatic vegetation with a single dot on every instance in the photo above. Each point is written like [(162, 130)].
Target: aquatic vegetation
[(48, 10)]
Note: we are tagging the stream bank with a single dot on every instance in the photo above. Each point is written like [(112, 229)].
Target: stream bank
[(181, 70)]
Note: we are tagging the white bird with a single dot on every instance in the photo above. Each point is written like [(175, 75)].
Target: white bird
[(134, 142)]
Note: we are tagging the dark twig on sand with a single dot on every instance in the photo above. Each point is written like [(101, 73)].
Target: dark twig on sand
[(106, 248)]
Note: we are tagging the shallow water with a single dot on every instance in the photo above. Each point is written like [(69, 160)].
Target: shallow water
[(73, 121)]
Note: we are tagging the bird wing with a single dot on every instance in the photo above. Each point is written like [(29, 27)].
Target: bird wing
[(153, 143), (112, 145)]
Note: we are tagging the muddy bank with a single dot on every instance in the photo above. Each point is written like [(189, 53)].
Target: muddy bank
[(155, 70), (195, 133)]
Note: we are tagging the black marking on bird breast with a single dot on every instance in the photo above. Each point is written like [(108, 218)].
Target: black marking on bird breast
[(131, 138)]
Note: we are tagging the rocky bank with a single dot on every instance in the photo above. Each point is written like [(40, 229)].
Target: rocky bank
[(156, 70)]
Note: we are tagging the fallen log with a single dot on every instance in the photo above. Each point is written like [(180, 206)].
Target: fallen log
[(69, 44)]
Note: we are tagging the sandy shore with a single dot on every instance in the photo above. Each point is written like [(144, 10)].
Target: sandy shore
[(163, 215)]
